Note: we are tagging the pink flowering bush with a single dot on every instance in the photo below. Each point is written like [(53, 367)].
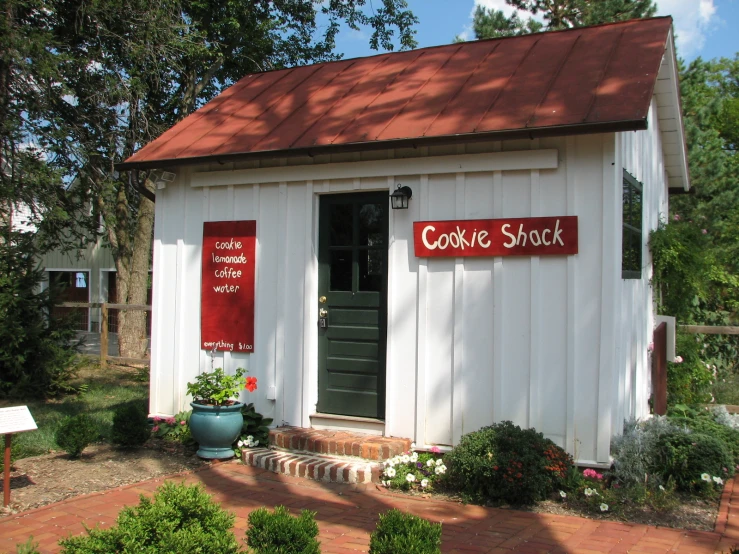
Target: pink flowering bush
[(173, 428)]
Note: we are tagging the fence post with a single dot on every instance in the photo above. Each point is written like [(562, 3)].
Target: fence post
[(104, 335), (659, 370)]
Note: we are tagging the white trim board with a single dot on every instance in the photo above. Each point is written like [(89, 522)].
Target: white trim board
[(494, 161)]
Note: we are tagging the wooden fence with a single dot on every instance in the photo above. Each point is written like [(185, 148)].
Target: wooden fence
[(104, 307)]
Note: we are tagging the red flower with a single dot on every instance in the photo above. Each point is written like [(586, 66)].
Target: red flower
[(251, 384)]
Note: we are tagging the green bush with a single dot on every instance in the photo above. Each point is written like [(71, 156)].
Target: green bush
[(280, 533), (76, 433), (399, 532), (178, 519), (708, 426), (130, 425), (505, 463), (255, 425), (685, 457)]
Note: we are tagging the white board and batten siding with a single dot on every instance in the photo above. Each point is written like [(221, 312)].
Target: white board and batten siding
[(470, 340)]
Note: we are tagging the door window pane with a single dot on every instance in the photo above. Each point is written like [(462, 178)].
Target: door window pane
[(370, 225), (370, 270), (341, 270), (341, 225)]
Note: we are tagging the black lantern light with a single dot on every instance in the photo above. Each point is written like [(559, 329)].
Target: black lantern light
[(399, 198)]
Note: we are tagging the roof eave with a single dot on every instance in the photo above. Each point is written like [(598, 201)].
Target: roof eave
[(512, 134), (670, 117)]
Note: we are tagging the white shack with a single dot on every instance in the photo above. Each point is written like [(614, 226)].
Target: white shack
[(515, 285)]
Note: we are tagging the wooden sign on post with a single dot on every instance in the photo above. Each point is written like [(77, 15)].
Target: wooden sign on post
[(227, 290), (15, 419)]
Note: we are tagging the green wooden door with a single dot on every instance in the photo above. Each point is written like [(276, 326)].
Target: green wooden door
[(352, 290)]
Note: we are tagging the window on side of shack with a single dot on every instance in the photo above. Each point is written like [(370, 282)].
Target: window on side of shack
[(631, 246)]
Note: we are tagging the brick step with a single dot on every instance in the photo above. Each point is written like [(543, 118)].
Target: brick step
[(338, 443), (331, 469)]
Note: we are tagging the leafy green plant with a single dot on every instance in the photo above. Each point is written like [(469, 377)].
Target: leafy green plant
[(216, 388), (280, 533), (179, 518), (692, 460), (254, 431), (688, 380), (174, 428), (76, 433), (400, 532), (505, 463), (130, 425)]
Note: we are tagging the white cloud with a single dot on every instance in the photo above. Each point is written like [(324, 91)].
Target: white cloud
[(693, 20)]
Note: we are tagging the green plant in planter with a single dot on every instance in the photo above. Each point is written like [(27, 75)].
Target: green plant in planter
[(216, 419), (216, 388)]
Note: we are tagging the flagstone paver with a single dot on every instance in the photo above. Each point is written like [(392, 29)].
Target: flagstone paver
[(348, 513)]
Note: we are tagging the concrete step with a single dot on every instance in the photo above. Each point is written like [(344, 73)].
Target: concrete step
[(331, 469), (337, 443)]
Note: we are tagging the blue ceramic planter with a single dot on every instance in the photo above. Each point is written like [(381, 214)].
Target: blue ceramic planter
[(215, 428)]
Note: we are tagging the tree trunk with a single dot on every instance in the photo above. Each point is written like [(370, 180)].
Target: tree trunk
[(133, 285)]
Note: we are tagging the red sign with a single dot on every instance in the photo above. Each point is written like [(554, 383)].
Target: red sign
[(523, 236), (227, 290)]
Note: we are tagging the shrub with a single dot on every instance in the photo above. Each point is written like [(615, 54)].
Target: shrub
[(634, 452), (503, 462), (280, 533), (686, 457), (689, 381), (179, 518), (400, 532), (174, 428), (130, 425), (707, 426), (76, 433)]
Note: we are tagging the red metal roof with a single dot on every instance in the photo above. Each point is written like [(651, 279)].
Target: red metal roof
[(586, 79)]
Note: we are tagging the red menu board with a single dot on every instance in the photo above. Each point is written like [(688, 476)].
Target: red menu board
[(523, 236), (227, 290)]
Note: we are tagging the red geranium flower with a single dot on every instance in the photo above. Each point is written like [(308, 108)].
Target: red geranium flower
[(251, 384)]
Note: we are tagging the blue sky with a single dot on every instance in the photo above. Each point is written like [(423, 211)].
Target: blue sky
[(706, 28)]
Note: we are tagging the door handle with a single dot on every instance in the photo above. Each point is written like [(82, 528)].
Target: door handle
[(323, 312)]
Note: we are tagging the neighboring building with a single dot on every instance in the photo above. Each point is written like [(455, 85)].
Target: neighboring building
[(569, 138), (89, 275)]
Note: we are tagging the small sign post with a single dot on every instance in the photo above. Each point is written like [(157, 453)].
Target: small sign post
[(15, 419)]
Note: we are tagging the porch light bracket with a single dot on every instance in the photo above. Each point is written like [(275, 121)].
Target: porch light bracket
[(399, 198)]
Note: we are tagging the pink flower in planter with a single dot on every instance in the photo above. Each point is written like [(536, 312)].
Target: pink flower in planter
[(435, 449), (183, 422), (157, 419), (155, 428), (170, 421), (592, 474)]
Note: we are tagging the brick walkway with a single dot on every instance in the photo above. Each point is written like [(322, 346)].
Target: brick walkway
[(347, 514)]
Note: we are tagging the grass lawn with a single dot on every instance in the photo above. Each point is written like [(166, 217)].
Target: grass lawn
[(106, 390)]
